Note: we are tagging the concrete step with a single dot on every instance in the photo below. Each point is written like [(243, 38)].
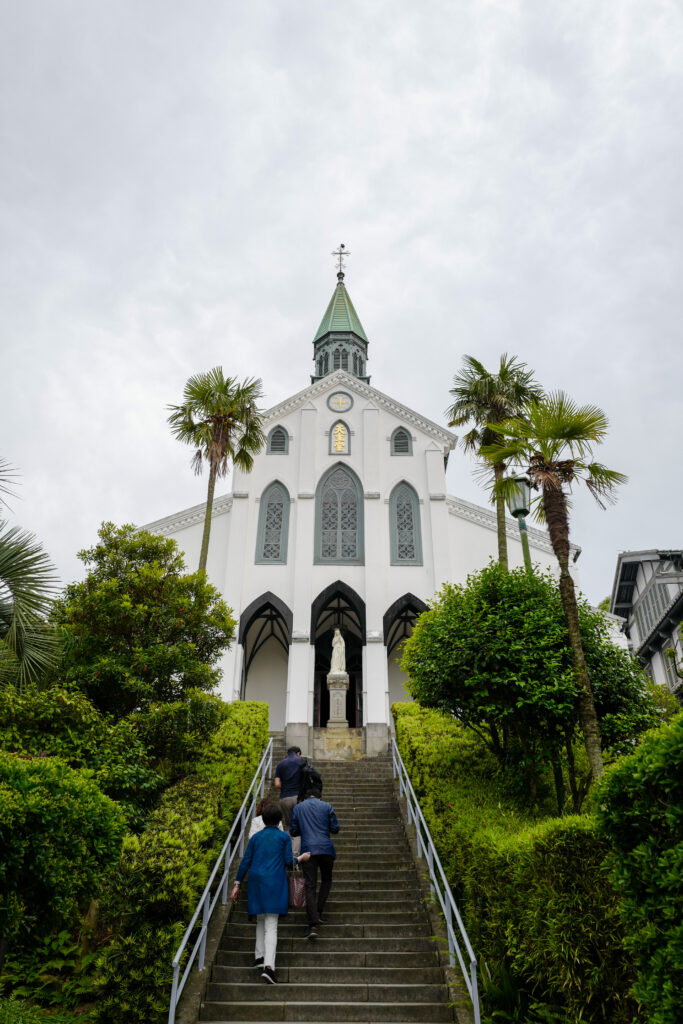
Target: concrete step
[(315, 955), (303, 992), (333, 975), (363, 1012), (375, 926), (403, 943)]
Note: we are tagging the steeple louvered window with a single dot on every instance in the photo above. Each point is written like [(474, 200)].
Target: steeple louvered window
[(278, 441), (404, 526), (271, 546), (401, 442), (339, 518)]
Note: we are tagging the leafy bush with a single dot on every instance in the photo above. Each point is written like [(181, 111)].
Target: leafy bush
[(63, 723), (58, 833), (641, 814), (175, 734), (534, 894), (153, 893), (495, 653), (17, 1011), (138, 630)]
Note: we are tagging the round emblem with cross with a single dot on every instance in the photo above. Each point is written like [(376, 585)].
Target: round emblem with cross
[(339, 401)]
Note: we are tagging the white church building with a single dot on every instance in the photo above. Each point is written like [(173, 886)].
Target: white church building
[(344, 521)]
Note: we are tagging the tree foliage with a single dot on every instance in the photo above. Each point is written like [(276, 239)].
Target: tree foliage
[(554, 442), (139, 630), (640, 809), (220, 420), (482, 398), (58, 833), (495, 653)]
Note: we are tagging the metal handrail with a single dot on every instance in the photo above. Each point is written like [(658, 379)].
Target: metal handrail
[(206, 904), (438, 883)]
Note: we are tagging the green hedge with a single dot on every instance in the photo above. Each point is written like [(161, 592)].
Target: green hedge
[(58, 835), (61, 722), (641, 814), (162, 871), (534, 894)]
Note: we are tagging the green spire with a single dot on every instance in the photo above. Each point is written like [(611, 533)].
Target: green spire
[(340, 316)]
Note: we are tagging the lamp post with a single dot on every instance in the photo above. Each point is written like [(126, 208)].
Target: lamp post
[(518, 503)]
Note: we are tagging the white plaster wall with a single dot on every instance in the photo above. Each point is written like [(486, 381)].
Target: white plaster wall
[(397, 681), (267, 680)]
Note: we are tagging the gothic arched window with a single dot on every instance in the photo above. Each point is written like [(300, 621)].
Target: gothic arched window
[(278, 441), (404, 526), (337, 357), (401, 442), (339, 518), (273, 527)]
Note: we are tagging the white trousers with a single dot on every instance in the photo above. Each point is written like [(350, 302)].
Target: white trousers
[(266, 938)]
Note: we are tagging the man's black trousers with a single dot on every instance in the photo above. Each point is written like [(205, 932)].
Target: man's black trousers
[(316, 904)]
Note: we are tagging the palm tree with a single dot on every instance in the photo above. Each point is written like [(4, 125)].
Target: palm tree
[(28, 582), (484, 398), (220, 419), (554, 442)]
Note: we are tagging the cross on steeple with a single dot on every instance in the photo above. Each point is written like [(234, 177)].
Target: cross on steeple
[(340, 253)]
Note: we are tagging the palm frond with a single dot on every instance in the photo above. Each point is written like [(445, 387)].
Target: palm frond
[(28, 585), (8, 475)]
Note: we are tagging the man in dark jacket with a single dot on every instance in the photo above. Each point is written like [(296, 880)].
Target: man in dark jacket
[(287, 780), (314, 820)]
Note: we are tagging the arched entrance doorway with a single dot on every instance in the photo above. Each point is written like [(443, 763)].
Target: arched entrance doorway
[(398, 623), (265, 633), (338, 605)]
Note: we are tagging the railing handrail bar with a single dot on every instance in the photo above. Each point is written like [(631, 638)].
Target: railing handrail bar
[(436, 857), (249, 799), (471, 982)]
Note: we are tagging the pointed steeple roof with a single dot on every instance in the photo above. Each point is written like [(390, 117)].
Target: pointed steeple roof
[(340, 316)]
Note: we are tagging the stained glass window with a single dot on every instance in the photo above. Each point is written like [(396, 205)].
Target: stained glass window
[(404, 510), (339, 518), (273, 525)]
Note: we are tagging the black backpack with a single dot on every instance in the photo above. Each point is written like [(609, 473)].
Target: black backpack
[(310, 779)]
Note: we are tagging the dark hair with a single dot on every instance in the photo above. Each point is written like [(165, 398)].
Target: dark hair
[(272, 815), (263, 803), (314, 791), (294, 750)]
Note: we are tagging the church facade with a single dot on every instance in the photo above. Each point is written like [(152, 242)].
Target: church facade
[(343, 522)]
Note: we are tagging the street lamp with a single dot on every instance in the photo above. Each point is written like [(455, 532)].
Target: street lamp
[(519, 501)]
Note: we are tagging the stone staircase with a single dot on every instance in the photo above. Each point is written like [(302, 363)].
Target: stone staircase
[(375, 958)]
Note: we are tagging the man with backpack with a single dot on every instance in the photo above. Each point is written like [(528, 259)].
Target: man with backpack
[(288, 780)]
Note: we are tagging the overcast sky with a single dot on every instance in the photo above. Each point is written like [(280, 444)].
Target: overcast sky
[(174, 175)]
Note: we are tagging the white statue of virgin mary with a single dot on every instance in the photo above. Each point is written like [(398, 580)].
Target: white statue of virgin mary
[(338, 664)]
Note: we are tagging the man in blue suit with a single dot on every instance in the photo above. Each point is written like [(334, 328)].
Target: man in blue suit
[(315, 821)]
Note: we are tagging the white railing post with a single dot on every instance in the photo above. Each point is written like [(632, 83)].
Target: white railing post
[(174, 993), (205, 925)]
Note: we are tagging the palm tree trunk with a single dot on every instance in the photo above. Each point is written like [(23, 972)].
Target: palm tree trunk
[(499, 470), (213, 469), (557, 519)]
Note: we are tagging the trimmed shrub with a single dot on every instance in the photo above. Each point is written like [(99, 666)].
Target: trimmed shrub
[(63, 723), (155, 888), (176, 734), (534, 894), (58, 835), (641, 813)]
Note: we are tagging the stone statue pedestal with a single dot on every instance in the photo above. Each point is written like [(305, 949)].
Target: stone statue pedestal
[(337, 685)]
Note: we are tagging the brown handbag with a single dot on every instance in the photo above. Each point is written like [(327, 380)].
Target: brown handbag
[(297, 890)]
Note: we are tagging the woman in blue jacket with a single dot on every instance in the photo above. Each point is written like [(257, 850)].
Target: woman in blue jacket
[(266, 858)]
